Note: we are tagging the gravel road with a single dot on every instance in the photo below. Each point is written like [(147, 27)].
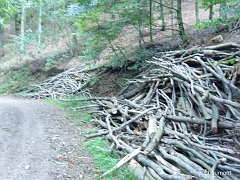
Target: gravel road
[(38, 141)]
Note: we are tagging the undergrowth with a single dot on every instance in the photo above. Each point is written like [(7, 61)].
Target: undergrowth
[(14, 80)]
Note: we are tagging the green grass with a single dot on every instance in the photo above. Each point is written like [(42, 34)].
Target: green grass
[(98, 148), (79, 116)]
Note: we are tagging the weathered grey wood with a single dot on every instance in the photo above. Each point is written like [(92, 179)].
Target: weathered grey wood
[(183, 111)]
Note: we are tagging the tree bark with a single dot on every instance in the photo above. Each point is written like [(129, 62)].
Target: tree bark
[(162, 16), (140, 25), (40, 24), (181, 29), (221, 14), (210, 11), (22, 25), (1, 36), (150, 19), (197, 10)]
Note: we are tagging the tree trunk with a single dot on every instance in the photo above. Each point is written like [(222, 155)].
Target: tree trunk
[(210, 11), (162, 16), (140, 37), (17, 22), (150, 19), (197, 10), (1, 36), (172, 16), (222, 7), (40, 24), (22, 25), (181, 29)]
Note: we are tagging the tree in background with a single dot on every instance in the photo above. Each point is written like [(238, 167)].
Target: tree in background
[(47, 21), (209, 4), (181, 29), (162, 16), (96, 24), (100, 33), (197, 10), (40, 23), (124, 16), (7, 10), (36, 23), (230, 9), (228, 13), (223, 5), (23, 17)]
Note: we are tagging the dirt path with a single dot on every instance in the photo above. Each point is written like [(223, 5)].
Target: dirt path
[(39, 142)]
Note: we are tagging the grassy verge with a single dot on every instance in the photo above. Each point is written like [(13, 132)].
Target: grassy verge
[(78, 116), (97, 147)]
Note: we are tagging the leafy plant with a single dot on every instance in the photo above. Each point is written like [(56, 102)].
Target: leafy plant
[(231, 61), (98, 148), (50, 62), (141, 55)]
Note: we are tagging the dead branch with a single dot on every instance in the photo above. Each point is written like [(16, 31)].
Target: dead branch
[(182, 112)]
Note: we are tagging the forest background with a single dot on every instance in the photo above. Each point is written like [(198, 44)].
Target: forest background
[(94, 30)]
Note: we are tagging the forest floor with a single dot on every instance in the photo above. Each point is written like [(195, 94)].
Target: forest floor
[(39, 141)]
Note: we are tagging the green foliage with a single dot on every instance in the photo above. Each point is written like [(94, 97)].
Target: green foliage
[(56, 24), (50, 61), (230, 12), (141, 56), (231, 9), (14, 81), (6, 129), (214, 23), (99, 149), (100, 33), (7, 10), (213, 2), (232, 62), (123, 81)]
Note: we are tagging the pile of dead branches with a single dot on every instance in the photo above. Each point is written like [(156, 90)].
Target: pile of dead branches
[(180, 118), (69, 82)]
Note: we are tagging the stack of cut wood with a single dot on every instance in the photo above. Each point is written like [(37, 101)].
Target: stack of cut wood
[(180, 118), (69, 82)]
